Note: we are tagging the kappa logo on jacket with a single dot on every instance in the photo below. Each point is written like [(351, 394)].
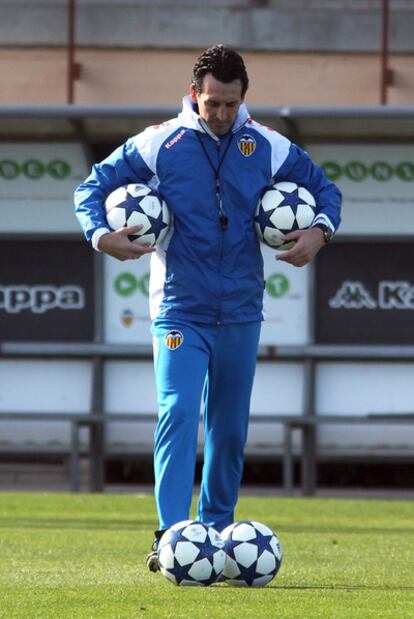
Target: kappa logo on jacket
[(173, 339), (175, 139), (246, 145)]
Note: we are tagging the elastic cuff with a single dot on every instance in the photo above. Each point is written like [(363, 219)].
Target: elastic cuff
[(96, 236), (323, 220)]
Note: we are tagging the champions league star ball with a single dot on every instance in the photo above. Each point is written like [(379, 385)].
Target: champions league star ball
[(253, 554), (191, 553), (283, 208), (138, 205)]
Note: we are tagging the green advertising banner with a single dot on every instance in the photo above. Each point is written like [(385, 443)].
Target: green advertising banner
[(377, 182), (37, 181), (127, 317)]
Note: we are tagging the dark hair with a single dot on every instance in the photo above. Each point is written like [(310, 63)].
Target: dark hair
[(224, 64)]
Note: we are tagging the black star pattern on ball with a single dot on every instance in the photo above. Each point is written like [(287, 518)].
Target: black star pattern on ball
[(177, 536), (130, 206), (157, 223), (290, 198), (262, 218), (206, 549), (262, 543), (209, 549), (180, 571), (247, 574)]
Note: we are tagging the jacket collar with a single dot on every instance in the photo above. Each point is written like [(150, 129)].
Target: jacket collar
[(190, 119)]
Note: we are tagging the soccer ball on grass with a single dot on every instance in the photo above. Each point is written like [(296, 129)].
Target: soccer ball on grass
[(138, 205), (283, 208), (191, 553), (253, 554)]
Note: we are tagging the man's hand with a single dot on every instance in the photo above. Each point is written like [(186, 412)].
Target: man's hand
[(118, 245), (308, 243)]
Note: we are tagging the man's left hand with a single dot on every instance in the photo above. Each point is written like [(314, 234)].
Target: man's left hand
[(308, 243)]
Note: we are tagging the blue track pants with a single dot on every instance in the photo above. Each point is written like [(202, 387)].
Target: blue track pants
[(197, 363)]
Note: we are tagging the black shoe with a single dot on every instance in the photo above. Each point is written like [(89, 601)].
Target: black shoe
[(152, 561), (152, 558)]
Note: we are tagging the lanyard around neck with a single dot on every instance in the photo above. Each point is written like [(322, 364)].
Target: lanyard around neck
[(224, 220)]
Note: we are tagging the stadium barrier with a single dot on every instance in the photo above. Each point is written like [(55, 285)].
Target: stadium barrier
[(306, 423), (97, 423)]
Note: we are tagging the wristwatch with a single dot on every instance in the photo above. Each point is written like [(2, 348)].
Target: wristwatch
[(327, 232)]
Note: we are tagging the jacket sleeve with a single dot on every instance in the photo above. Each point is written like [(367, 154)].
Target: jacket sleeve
[(125, 165), (299, 167)]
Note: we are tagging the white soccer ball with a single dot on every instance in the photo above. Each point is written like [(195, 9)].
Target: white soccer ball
[(283, 208), (138, 205), (253, 554), (191, 553)]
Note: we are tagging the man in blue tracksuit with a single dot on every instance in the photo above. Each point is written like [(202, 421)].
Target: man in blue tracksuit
[(211, 164)]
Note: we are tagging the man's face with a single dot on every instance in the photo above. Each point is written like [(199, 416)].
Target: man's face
[(218, 103)]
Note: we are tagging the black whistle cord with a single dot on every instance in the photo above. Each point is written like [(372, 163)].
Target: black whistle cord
[(224, 220)]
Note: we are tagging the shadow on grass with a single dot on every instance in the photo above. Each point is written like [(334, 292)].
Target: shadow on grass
[(74, 523), (354, 530), (102, 523), (342, 587)]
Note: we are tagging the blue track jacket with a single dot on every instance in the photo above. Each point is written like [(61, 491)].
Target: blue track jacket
[(202, 272)]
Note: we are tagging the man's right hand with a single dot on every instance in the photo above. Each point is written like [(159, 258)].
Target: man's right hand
[(118, 245)]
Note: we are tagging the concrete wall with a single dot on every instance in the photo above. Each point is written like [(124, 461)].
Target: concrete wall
[(285, 25), (38, 76), (136, 51)]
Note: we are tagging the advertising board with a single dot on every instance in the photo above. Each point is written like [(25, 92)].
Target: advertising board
[(365, 293), (127, 308), (46, 291), (377, 183), (37, 181)]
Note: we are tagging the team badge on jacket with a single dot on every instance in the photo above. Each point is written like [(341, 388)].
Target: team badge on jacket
[(173, 339), (246, 144)]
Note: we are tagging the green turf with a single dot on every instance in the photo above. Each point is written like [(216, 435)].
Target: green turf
[(83, 556)]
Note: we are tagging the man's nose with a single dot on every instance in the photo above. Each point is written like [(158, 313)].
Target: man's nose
[(221, 113)]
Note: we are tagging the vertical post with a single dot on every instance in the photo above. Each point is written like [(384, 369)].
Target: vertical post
[(309, 430), (72, 67), (97, 437), (74, 457), (97, 430), (386, 74), (308, 464), (288, 461)]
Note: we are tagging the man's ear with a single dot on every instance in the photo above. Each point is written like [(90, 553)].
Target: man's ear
[(193, 93)]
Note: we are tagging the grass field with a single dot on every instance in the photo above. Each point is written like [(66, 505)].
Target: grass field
[(83, 557)]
